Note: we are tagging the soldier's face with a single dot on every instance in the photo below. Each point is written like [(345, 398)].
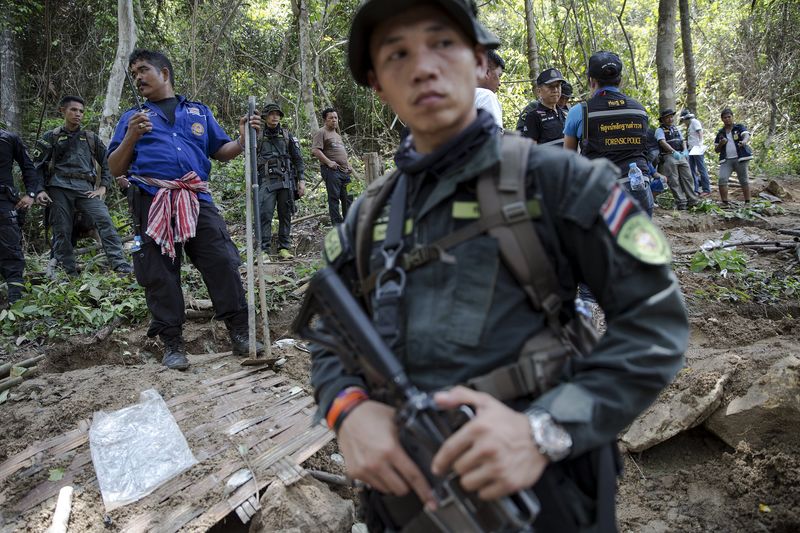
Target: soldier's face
[(426, 69), (667, 121), (150, 81), (73, 113), (273, 119), (549, 93)]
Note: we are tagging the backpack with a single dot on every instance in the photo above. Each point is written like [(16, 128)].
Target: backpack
[(91, 140), (506, 215)]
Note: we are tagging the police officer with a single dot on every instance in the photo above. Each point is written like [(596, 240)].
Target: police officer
[(164, 151), (12, 260), (566, 96), (66, 158), (280, 176), (611, 125), (732, 143), (463, 316), (674, 161), (545, 124)]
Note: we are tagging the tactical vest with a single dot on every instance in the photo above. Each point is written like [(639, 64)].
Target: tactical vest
[(614, 127), (91, 141), (505, 214), (673, 138), (274, 161)]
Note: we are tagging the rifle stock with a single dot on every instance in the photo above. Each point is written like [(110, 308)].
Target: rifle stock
[(423, 427)]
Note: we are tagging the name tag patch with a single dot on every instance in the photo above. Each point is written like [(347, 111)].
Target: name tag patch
[(193, 110)]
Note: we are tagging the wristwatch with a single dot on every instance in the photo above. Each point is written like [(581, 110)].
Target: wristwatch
[(550, 438), (31, 194)]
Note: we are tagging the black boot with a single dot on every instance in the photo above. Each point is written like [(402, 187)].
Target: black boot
[(174, 353), (240, 343)]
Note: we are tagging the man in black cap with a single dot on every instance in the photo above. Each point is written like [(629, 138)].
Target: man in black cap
[(464, 309), (674, 161), (545, 124), (611, 125), (280, 178), (566, 96)]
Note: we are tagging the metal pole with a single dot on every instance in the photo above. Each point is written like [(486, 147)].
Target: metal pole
[(252, 162), (251, 294)]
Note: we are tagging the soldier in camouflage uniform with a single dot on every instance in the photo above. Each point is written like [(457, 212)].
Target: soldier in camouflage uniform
[(280, 177), (67, 159)]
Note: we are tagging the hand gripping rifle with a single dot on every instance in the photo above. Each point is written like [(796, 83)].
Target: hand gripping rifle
[(423, 427)]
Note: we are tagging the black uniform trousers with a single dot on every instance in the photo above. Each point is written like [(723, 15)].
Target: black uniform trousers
[(12, 261), (336, 184), (211, 251), (284, 201)]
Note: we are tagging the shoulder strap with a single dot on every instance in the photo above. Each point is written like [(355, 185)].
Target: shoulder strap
[(585, 109), (520, 246), (51, 165), (375, 197)]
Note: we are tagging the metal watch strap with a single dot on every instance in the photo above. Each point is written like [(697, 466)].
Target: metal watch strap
[(551, 439)]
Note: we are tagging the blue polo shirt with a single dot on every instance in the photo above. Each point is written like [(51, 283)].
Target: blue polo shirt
[(573, 126), (169, 151)]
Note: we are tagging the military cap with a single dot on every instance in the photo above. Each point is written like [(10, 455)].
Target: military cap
[(548, 76), (666, 112), (605, 65), (566, 89), (372, 12), (270, 107)]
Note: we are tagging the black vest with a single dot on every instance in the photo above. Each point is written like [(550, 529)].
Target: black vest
[(673, 138), (274, 162), (551, 126), (615, 127)]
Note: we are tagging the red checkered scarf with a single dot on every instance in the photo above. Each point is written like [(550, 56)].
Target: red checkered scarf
[(176, 200)]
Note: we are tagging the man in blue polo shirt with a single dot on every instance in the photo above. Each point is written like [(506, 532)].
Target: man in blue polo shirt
[(611, 125), (164, 151)]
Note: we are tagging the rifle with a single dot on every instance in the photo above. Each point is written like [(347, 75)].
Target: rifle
[(423, 427), (135, 92)]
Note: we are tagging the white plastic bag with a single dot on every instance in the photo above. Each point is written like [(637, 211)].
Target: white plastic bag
[(136, 449)]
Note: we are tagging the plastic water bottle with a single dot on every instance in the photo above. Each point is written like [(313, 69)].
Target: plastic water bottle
[(137, 243), (637, 180)]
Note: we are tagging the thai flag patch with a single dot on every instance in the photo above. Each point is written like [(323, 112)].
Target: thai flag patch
[(616, 209)]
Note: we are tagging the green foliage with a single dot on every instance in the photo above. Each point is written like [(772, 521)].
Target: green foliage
[(729, 261), (754, 286), (59, 308)]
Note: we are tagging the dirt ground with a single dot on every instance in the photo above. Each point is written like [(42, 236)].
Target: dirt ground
[(692, 482)]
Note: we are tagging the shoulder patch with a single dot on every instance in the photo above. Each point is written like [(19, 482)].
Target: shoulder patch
[(333, 245), (643, 240)]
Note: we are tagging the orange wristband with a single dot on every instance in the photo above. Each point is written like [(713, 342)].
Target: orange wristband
[(345, 401)]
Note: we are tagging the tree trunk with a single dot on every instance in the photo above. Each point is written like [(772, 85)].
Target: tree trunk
[(532, 46), (9, 64), (688, 56), (126, 42), (665, 50), (300, 8)]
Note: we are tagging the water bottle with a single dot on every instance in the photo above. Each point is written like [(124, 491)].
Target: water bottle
[(137, 243), (635, 175)]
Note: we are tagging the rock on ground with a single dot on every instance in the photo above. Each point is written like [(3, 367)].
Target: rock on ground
[(766, 413), (698, 395), (308, 505)]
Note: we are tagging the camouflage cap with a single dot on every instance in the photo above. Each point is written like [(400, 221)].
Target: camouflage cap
[(372, 12), (272, 106)]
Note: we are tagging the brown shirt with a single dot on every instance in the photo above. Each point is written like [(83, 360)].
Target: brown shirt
[(330, 143)]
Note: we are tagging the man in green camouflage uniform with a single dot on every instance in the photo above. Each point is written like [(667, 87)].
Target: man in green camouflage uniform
[(66, 157), (464, 316), (280, 178)]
